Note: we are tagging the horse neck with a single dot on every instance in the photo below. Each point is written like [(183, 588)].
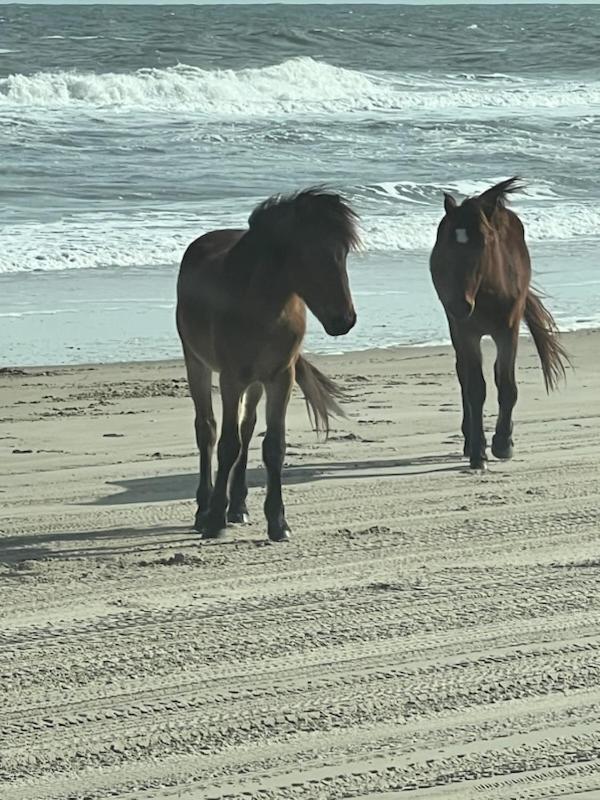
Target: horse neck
[(494, 272), (257, 278)]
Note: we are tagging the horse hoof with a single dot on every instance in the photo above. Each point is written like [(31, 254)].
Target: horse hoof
[(279, 535), (217, 533), (467, 450), (239, 517), (478, 465), (207, 528), (502, 452)]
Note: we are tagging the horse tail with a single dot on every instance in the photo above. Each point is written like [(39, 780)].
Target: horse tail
[(544, 332), (320, 394)]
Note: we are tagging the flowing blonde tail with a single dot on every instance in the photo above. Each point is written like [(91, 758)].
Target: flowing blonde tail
[(320, 394)]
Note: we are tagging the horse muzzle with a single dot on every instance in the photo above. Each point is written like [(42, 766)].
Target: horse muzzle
[(340, 324)]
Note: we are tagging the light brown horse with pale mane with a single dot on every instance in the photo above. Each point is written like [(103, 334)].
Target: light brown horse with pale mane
[(481, 271), (241, 312)]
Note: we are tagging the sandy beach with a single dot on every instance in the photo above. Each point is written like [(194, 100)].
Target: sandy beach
[(428, 632)]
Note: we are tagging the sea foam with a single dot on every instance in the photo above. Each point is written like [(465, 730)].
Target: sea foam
[(86, 242), (296, 86)]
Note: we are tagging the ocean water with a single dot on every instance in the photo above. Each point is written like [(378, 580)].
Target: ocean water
[(125, 132)]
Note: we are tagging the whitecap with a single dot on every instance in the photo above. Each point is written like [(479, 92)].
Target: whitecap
[(89, 241), (298, 86)]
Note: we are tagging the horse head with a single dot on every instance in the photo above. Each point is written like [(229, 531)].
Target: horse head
[(466, 245), (312, 232)]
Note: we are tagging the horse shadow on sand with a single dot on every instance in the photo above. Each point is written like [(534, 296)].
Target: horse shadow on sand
[(161, 488), (145, 541)]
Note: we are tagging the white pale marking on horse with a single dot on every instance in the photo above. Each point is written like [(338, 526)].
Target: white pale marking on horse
[(461, 236)]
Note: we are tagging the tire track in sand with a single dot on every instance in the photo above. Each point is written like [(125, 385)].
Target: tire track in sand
[(428, 633)]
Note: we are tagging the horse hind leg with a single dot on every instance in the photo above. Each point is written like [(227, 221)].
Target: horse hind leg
[(504, 374), (238, 510), (200, 383)]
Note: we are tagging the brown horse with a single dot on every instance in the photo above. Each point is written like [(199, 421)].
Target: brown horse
[(241, 312), (481, 272)]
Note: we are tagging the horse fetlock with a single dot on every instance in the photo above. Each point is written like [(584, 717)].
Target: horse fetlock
[(478, 457), (203, 496)]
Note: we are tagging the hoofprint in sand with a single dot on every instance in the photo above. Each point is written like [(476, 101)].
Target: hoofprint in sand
[(427, 630)]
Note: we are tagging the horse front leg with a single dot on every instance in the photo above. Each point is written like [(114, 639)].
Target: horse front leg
[(238, 510), (462, 374), (476, 391), (504, 374), (212, 524), (278, 396), (461, 371)]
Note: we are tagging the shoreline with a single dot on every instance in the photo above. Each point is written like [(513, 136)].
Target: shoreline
[(524, 338), (117, 315)]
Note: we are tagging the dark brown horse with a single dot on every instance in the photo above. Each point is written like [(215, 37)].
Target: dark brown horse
[(241, 312), (481, 272)]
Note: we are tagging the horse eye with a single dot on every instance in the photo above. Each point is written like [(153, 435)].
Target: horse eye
[(461, 236)]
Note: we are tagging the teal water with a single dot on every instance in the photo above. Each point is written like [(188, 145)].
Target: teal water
[(125, 132)]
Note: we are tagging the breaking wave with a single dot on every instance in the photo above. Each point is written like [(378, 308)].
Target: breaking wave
[(88, 242), (296, 86)]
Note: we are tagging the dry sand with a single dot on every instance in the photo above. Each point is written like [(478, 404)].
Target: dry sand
[(427, 633)]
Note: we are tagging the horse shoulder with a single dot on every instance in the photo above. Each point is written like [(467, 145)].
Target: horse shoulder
[(294, 315), (210, 246), (515, 227)]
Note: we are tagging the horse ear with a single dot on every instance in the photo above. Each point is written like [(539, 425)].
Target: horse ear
[(449, 203)]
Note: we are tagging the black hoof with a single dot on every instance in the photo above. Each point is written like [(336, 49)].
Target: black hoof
[(478, 464), (239, 516), (467, 450), (209, 528), (281, 533), (502, 450)]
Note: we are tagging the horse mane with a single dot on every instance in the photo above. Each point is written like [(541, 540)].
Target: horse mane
[(498, 196), (481, 209), (317, 208)]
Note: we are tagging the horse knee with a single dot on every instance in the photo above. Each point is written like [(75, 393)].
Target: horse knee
[(206, 432), (509, 394), (273, 450), (477, 389)]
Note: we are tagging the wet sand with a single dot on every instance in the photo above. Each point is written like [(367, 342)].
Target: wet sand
[(428, 632)]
